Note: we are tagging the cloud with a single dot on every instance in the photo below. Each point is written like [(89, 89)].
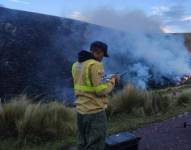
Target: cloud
[(177, 28), (175, 18), (20, 2), (166, 29), (175, 12), (159, 10), (77, 15), (186, 18)]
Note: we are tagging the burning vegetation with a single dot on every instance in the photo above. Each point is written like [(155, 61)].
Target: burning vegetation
[(183, 80)]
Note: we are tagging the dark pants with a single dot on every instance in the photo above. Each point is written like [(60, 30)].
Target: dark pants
[(91, 131)]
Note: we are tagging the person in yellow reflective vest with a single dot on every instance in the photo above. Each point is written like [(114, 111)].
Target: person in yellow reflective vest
[(91, 96)]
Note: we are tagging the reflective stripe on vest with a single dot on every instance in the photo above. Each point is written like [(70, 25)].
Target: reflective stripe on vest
[(87, 87), (88, 82), (73, 69)]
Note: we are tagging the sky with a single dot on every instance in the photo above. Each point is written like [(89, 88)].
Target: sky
[(175, 15)]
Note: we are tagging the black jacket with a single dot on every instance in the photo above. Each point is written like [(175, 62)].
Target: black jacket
[(84, 55)]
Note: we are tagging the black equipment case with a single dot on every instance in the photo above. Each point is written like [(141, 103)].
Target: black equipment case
[(122, 141)]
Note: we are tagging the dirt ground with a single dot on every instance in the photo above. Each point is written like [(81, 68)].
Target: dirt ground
[(167, 135)]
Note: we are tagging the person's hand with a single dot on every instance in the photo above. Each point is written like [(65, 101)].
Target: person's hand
[(116, 78)]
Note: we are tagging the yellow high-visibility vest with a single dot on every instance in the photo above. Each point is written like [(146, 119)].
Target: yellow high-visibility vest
[(81, 76)]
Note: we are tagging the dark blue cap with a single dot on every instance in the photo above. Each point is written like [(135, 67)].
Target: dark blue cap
[(98, 44)]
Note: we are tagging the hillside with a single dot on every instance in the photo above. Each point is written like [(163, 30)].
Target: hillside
[(37, 51)]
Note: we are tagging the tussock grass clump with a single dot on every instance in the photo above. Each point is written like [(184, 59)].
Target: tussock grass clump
[(184, 98), (10, 113), (160, 103), (24, 119), (47, 120), (138, 102), (1, 118), (127, 99)]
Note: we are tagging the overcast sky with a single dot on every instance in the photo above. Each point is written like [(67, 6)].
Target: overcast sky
[(175, 15)]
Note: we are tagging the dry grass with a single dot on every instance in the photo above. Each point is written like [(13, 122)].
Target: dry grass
[(126, 100), (184, 98), (24, 119), (139, 102), (128, 109)]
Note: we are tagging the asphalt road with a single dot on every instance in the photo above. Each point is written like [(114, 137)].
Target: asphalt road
[(167, 135)]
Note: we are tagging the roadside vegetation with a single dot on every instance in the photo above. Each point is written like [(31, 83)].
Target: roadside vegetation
[(27, 125)]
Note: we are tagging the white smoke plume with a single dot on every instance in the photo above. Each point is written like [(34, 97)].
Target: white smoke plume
[(137, 45)]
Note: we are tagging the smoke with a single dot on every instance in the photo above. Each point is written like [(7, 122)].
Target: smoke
[(138, 46), (49, 47)]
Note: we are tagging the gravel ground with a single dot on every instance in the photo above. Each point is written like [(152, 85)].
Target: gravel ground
[(166, 135)]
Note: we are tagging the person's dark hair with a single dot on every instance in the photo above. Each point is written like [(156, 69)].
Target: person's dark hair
[(99, 45)]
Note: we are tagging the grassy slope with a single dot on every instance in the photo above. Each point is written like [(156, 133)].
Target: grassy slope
[(119, 122)]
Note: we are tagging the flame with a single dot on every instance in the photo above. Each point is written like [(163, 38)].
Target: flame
[(183, 79)]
